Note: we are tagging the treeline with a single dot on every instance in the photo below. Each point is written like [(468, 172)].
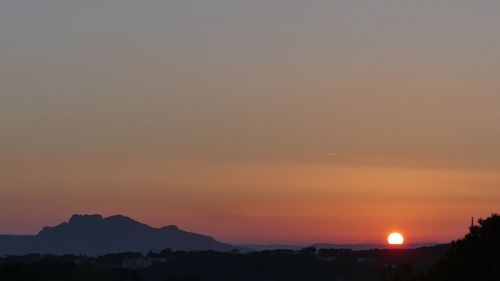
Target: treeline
[(306, 264), (57, 269)]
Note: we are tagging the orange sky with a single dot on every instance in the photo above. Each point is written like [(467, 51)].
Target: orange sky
[(255, 202), (252, 121)]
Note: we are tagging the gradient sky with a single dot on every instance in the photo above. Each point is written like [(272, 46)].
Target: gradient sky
[(253, 121)]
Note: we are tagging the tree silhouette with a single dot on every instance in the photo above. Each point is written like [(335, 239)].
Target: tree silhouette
[(475, 257)]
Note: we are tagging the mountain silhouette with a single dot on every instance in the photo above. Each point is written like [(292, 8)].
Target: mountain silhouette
[(95, 235)]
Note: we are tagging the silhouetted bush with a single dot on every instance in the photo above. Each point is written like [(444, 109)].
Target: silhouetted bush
[(475, 257)]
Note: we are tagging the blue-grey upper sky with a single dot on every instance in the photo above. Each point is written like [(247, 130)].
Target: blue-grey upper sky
[(91, 91)]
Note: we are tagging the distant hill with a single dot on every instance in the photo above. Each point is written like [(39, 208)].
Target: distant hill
[(355, 247), (358, 247), (95, 235)]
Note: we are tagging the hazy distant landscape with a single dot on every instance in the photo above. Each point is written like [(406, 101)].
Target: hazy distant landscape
[(90, 247), (93, 247), (93, 235)]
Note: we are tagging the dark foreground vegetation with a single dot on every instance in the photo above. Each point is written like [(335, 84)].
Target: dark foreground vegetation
[(475, 257)]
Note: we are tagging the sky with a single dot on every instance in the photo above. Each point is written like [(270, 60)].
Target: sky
[(277, 121)]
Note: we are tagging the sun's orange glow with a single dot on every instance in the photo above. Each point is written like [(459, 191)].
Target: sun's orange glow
[(395, 238)]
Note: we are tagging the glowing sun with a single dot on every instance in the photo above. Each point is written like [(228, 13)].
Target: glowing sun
[(395, 238)]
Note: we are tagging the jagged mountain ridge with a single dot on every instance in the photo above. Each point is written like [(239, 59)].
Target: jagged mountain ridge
[(96, 235)]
